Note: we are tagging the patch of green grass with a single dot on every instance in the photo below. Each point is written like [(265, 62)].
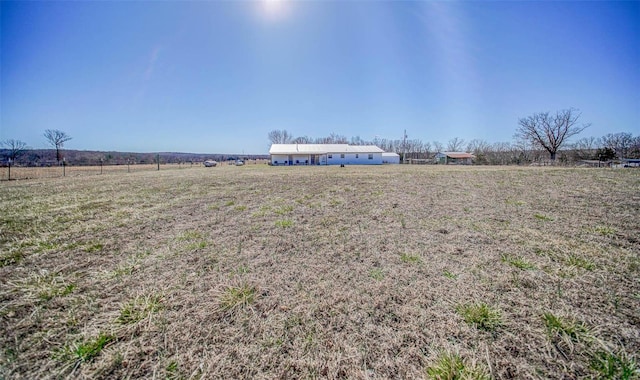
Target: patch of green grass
[(605, 230), (229, 203), (284, 223), (580, 262), (264, 210), (543, 217), (237, 297), (123, 270), (57, 292), (13, 257), (242, 269), (173, 371), (450, 275), (450, 366), (566, 329), (94, 247), (189, 235), (139, 308), (518, 262), (286, 209), (480, 315), (240, 208), (47, 286), (87, 350), (410, 258), (608, 365), (197, 245), (514, 202), (376, 274), (46, 246)]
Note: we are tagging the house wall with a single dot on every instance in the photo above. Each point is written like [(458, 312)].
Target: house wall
[(351, 159), (294, 159), (391, 159), (279, 159), (324, 159)]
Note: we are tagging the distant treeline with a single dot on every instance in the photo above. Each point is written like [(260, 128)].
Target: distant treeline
[(47, 157)]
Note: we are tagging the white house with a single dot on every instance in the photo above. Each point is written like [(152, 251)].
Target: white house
[(325, 154)]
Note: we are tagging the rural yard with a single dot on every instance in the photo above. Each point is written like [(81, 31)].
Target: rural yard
[(360, 272)]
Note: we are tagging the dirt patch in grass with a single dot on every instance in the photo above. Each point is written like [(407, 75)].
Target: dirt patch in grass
[(357, 272)]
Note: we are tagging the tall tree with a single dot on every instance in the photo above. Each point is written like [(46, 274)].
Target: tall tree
[(455, 144), (15, 148), (618, 142), (550, 131), (280, 136), (56, 139)]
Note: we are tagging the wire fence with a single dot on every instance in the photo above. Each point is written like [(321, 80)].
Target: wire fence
[(28, 172)]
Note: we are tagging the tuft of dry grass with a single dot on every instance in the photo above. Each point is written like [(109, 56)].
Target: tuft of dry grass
[(480, 315), (235, 297), (321, 272)]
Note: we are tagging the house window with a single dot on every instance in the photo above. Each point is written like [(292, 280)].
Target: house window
[(356, 155), (370, 156), (330, 156), (342, 155)]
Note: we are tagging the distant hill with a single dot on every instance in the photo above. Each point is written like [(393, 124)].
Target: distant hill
[(47, 157)]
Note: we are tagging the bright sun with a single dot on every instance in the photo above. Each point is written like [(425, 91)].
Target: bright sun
[(274, 8)]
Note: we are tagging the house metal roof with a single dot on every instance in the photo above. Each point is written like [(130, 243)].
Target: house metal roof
[(322, 148)]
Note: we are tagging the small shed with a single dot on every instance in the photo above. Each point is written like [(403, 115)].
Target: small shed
[(455, 158)]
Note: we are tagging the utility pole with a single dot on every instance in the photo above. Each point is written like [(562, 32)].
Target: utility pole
[(404, 147)]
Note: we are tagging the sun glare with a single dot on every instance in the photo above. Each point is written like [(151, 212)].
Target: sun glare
[(274, 9)]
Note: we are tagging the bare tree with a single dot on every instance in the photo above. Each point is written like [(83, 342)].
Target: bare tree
[(634, 151), (437, 146), (550, 131), (337, 139), (56, 139), (619, 142), (278, 136), (455, 144), (586, 148), (480, 149), (302, 140), (15, 148)]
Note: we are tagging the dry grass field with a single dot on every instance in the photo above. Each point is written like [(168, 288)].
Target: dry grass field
[(322, 272)]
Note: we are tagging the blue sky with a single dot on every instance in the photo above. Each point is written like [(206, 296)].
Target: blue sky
[(216, 77)]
